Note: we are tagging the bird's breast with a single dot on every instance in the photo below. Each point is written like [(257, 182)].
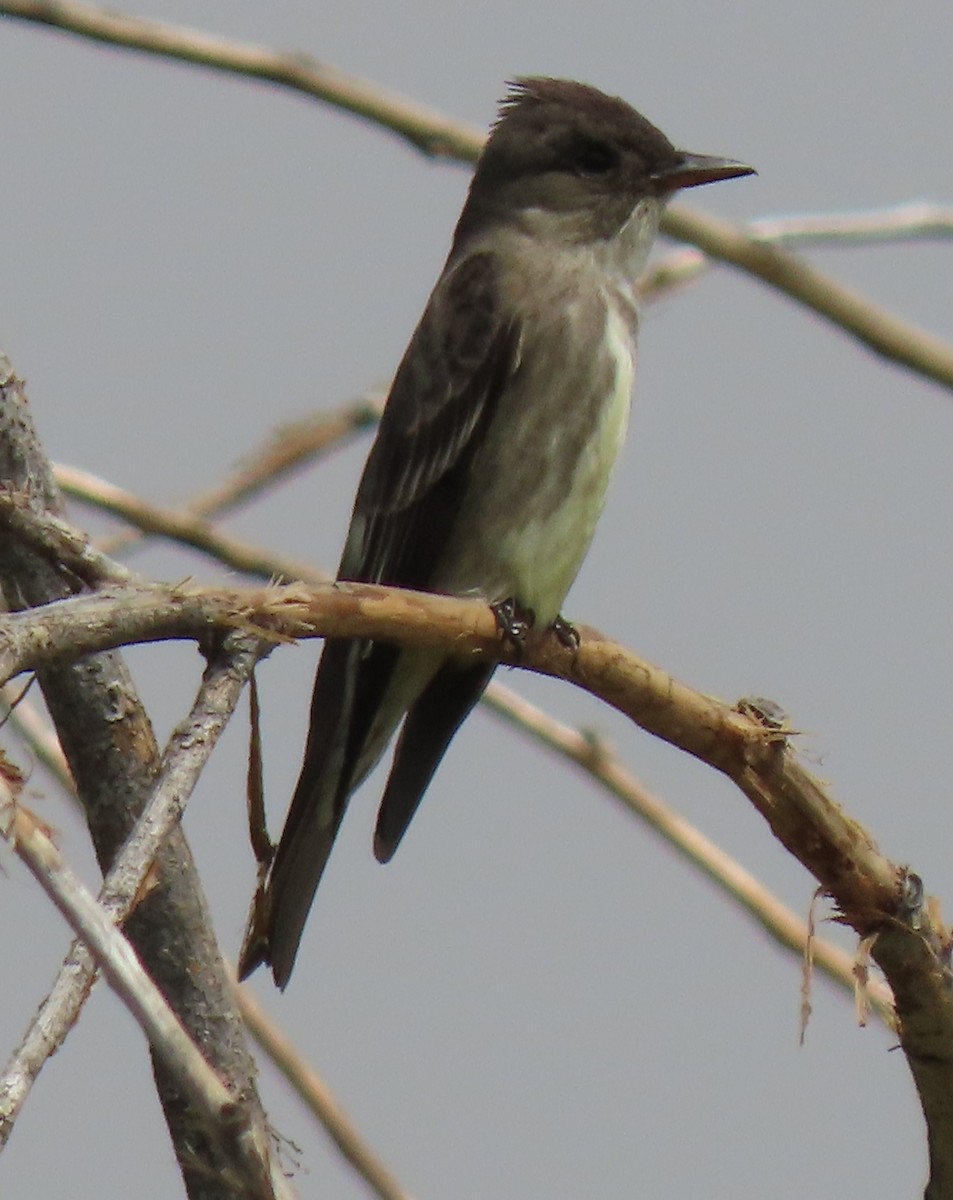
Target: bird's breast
[(538, 483)]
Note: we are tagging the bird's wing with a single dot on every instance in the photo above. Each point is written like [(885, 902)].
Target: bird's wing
[(460, 358)]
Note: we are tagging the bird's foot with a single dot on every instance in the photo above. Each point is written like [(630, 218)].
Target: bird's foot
[(513, 621), (566, 633)]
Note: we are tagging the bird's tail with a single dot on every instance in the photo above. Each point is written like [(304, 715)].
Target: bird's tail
[(348, 731), (361, 692)]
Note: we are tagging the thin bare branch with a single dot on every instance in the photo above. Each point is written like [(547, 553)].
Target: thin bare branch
[(250, 1158), (111, 749), (727, 739), (911, 946), (424, 128), (183, 761), (185, 756), (434, 134), (33, 844), (318, 1097), (37, 735), (914, 221), (597, 760), (57, 541), (887, 335), (188, 531), (281, 454), (123, 615)]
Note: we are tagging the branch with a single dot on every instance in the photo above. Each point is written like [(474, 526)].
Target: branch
[(872, 893), (914, 221), (593, 756), (57, 542), (424, 128), (286, 450), (185, 756), (318, 1097), (185, 529), (435, 134), (751, 753), (112, 754), (227, 1123), (887, 335), (34, 731)]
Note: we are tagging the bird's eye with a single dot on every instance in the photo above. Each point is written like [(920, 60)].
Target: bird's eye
[(595, 158)]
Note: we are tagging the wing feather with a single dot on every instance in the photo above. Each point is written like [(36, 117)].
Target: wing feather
[(444, 394)]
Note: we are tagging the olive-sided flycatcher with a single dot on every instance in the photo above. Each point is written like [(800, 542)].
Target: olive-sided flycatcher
[(493, 454)]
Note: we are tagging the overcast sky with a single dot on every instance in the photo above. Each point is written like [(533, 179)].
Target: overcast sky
[(534, 999)]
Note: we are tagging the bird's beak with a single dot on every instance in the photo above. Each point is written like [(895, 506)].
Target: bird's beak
[(693, 169)]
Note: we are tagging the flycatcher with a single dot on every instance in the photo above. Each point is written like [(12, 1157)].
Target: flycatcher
[(493, 454)]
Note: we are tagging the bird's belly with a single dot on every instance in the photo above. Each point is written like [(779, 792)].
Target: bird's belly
[(539, 484)]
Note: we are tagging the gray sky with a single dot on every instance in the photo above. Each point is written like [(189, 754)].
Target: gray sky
[(534, 998)]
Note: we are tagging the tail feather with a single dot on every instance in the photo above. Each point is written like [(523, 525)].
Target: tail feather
[(361, 692), (345, 739), (431, 722)]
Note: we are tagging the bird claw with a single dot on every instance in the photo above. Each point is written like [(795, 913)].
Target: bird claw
[(566, 633), (513, 621)]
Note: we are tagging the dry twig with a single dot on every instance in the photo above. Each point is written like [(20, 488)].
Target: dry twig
[(434, 134)]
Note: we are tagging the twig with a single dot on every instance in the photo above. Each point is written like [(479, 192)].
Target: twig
[(283, 452), (36, 733), (600, 764), (318, 1097), (424, 128), (887, 335), (113, 757), (185, 756), (725, 738), (434, 134), (866, 886), (57, 541), (914, 221), (189, 531), (126, 976), (785, 926)]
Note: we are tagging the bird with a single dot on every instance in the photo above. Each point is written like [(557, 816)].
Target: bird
[(492, 456)]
